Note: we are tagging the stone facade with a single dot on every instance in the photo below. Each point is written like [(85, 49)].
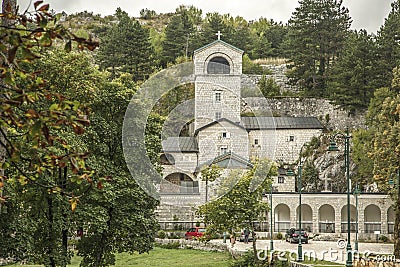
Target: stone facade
[(285, 146), (221, 136)]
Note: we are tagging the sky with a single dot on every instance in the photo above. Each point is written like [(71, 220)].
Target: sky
[(366, 14)]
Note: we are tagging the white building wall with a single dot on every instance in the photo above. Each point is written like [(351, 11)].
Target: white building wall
[(211, 142)]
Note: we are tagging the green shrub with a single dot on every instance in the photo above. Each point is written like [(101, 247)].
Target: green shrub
[(161, 234), (247, 259), (383, 238), (172, 245), (279, 236), (173, 235)]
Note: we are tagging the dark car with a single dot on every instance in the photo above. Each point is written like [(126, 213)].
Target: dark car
[(195, 232), (295, 235)]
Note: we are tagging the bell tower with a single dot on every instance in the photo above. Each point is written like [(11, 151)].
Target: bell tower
[(218, 70)]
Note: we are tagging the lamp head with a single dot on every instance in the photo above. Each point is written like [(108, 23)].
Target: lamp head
[(333, 146), (289, 172)]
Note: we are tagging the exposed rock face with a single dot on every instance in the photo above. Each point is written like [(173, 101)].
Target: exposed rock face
[(332, 116)]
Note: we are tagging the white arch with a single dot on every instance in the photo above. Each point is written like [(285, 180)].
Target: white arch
[(218, 54), (326, 216), (282, 217), (372, 218), (344, 216)]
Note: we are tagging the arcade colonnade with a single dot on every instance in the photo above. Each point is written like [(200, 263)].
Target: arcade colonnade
[(327, 213)]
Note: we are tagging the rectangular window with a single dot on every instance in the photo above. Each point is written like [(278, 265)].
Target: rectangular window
[(226, 135), (256, 141), (281, 179), (223, 150), (217, 115), (218, 97), (291, 138)]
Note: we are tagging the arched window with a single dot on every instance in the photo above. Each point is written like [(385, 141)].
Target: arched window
[(167, 159), (218, 65), (179, 183)]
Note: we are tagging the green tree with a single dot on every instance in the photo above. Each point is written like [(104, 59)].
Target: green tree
[(210, 174), (310, 177), (38, 124), (240, 33), (147, 14), (268, 87), (126, 48), (178, 34), (276, 34), (317, 31), (117, 216), (213, 23), (388, 41), (384, 120), (352, 78), (240, 206), (362, 147), (260, 47)]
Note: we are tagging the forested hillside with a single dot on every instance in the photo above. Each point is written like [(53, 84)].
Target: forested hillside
[(325, 58)]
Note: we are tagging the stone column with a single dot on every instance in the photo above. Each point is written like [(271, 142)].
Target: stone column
[(315, 219), (338, 219)]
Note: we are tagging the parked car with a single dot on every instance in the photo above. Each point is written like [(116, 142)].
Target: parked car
[(195, 232), (295, 235)]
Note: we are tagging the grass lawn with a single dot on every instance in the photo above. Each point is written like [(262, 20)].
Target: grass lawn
[(165, 257)]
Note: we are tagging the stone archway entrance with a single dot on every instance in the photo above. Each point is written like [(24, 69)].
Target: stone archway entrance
[(352, 219), (372, 219), (326, 219), (306, 217), (282, 218)]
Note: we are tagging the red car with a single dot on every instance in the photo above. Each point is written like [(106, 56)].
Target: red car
[(195, 232)]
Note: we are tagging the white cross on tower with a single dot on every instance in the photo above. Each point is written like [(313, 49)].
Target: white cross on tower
[(219, 35)]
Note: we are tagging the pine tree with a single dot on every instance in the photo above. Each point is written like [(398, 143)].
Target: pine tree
[(353, 77), (126, 48), (176, 39), (317, 31), (388, 40)]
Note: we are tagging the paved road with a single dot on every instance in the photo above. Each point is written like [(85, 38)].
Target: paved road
[(329, 251)]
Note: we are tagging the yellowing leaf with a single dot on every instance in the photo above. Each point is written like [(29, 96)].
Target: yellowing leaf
[(73, 202)]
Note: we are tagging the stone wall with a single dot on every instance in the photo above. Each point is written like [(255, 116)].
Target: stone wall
[(194, 244), (331, 116), (278, 74), (278, 145)]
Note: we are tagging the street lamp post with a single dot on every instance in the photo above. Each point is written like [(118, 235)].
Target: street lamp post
[(300, 246), (356, 193), (396, 230), (270, 222), (333, 147)]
